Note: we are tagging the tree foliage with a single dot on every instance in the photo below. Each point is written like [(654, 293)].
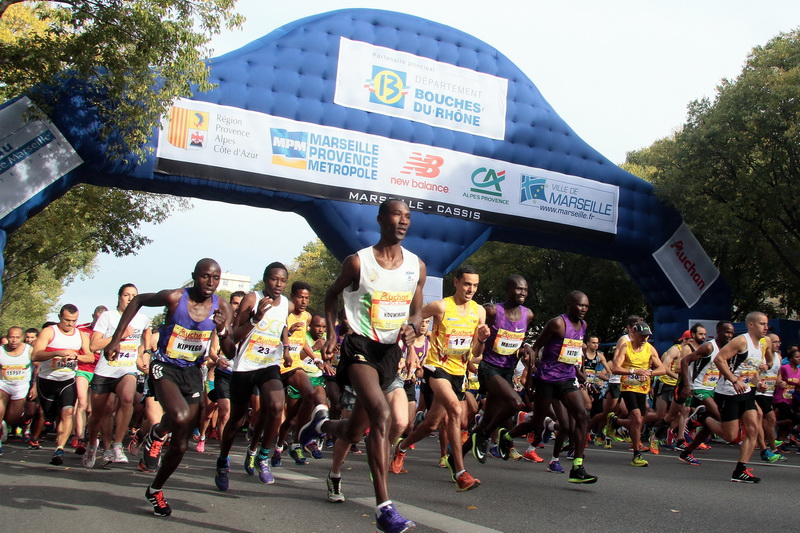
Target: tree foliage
[(732, 170), (317, 266), (134, 57), (63, 241), (551, 276)]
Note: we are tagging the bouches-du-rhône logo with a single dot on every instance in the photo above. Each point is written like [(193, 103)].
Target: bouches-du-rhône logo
[(188, 128), (387, 87)]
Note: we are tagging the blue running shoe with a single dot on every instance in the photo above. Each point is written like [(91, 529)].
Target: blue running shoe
[(276, 459), (250, 463), (313, 447), (390, 521), (221, 477), (555, 466), (311, 431), (264, 473)]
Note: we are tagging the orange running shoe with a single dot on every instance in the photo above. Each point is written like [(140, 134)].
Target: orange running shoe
[(397, 461), (532, 456), (466, 482)]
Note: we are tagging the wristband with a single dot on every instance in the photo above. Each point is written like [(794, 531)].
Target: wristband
[(253, 321), (414, 328)]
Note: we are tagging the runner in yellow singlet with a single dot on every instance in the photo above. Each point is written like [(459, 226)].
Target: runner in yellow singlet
[(459, 333)]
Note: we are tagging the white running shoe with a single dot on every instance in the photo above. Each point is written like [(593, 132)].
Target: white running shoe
[(90, 456), (119, 453)]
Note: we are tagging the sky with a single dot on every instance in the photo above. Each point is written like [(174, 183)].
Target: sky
[(620, 73)]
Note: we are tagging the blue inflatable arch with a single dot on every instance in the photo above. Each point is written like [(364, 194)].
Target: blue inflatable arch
[(291, 74)]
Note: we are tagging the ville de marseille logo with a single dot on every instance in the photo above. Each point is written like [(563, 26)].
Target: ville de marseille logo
[(188, 129), (532, 189), (387, 87)]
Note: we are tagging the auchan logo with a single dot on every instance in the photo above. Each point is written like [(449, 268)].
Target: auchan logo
[(688, 264)]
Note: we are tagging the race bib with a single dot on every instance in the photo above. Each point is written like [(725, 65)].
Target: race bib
[(591, 376), (508, 342), (128, 350), (769, 382), (14, 372), (61, 364), (458, 343), (187, 344), (263, 349), (571, 352), (748, 375), (389, 310), (711, 378)]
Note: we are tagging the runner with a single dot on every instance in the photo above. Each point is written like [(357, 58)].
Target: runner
[(637, 362), (561, 343), (15, 380), (508, 322), (263, 348), (116, 376), (699, 379), (382, 284), (192, 315), (738, 363), (459, 332), (59, 348), (83, 378)]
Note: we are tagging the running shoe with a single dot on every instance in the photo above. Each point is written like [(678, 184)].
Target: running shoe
[(118, 453), (143, 467), (689, 459), (504, 443), (579, 475), (654, 444), (768, 456), (250, 462), (312, 431), (90, 456), (57, 457), (201, 446), (513, 454), (151, 451), (33, 444), (354, 449), (494, 451), (335, 493), (571, 454), (451, 465), (398, 459), (607, 443), (532, 456), (221, 474), (555, 467), (298, 456), (73, 442), (108, 457), (598, 440), (134, 444), (329, 442), (80, 449), (160, 505), (466, 482), (480, 443), (442, 462), (1, 448), (703, 447), (390, 521), (609, 428), (744, 476), (212, 434), (547, 433), (313, 447), (275, 461), (264, 473), (638, 460), (783, 448), (680, 446), (418, 418)]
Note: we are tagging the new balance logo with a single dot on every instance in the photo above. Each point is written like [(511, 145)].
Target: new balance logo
[(427, 166)]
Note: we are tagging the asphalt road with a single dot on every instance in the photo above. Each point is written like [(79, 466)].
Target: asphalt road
[(514, 496)]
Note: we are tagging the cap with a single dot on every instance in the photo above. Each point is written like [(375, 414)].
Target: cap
[(686, 335), (643, 328)]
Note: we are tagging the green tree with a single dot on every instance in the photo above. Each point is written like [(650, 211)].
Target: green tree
[(134, 57), (62, 242), (551, 276), (732, 170)]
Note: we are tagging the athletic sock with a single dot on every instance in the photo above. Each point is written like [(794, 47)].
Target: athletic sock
[(577, 462), (335, 476), (458, 474), (553, 459), (381, 506), (263, 454), (740, 466)]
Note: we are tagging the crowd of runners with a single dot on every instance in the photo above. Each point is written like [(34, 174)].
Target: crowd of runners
[(383, 373)]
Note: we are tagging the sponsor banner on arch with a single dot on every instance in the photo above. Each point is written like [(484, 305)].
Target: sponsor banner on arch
[(686, 265), (381, 80), (228, 144)]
